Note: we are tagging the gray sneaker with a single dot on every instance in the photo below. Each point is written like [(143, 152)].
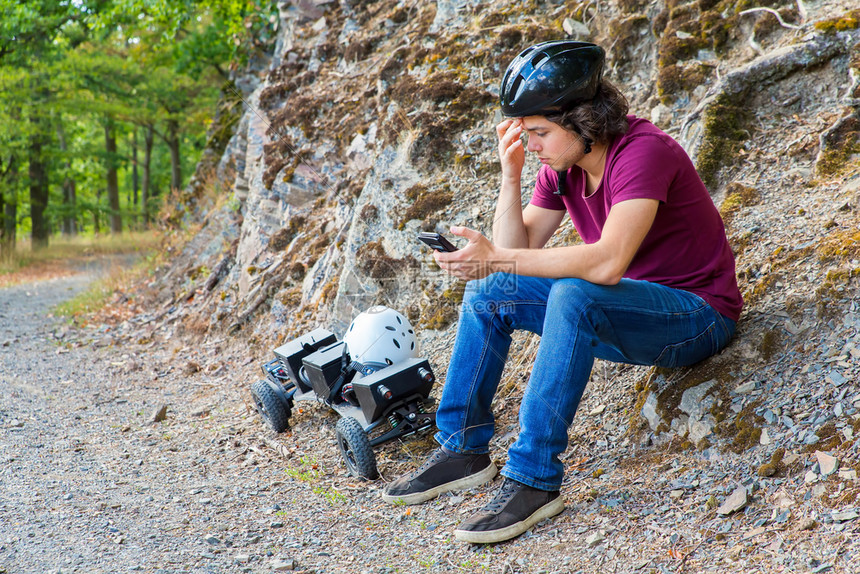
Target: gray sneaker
[(515, 509), (443, 472)]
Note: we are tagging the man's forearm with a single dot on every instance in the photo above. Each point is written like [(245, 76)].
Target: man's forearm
[(508, 228)]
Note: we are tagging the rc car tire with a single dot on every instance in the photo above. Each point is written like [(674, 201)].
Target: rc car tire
[(356, 450), (270, 406)]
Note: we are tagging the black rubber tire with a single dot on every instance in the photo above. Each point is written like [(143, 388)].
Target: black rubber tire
[(356, 450), (270, 406)]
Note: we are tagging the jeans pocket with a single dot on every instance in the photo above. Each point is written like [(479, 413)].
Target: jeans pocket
[(690, 351)]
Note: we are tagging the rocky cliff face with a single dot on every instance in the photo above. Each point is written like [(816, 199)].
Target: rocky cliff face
[(374, 120)]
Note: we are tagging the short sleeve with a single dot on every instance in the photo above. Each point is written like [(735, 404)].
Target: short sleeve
[(643, 169)]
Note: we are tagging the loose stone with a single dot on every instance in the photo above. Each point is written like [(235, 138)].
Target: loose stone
[(827, 464), (736, 501)]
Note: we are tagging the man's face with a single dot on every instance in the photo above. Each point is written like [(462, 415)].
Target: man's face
[(554, 145)]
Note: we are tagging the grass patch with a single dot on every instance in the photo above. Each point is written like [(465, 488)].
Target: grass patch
[(67, 256)]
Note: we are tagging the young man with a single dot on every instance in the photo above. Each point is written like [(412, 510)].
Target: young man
[(652, 284)]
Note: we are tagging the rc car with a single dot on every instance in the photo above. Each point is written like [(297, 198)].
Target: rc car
[(373, 378)]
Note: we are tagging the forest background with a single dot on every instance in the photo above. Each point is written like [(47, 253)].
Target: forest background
[(105, 106)]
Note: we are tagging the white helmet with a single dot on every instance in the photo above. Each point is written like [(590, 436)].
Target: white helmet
[(380, 337)]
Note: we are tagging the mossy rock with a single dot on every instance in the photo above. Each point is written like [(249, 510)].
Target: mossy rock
[(677, 78), (725, 129), (738, 196), (848, 21), (425, 202)]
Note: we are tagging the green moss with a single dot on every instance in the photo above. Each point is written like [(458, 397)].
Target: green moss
[(747, 434), (425, 202), (839, 246), (737, 196), (770, 344), (439, 318), (767, 23), (625, 34), (673, 49), (724, 125), (829, 439), (372, 259), (226, 119), (848, 21), (744, 429), (444, 310), (836, 160), (715, 368), (455, 293), (643, 388), (280, 239), (632, 6), (508, 38), (677, 78), (775, 466)]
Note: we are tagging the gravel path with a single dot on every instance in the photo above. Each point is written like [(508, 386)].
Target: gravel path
[(90, 482), (86, 484)]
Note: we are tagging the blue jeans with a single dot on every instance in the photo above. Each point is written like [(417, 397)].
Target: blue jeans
[(634, 322)]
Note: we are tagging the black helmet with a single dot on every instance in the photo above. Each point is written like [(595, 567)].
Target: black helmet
[(550, 77)]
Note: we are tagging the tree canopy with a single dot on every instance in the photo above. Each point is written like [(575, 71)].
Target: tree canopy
[(104, 105)]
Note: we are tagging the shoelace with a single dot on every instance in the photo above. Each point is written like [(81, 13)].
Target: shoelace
[(508, 490), (434, 458)]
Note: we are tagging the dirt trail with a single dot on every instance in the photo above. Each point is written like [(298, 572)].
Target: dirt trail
[(89, 482)]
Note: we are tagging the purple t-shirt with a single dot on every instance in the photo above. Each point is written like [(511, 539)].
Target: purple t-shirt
[(686, 247)]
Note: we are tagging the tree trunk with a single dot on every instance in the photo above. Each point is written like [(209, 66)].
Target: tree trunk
[(145, 194), (135, 179), (173, 145), (38, 184), (97, 225), (112, 182), (70, 210), (10, 221), (9, 213)]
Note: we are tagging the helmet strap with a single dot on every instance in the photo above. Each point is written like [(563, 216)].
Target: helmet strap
[(562, 176)]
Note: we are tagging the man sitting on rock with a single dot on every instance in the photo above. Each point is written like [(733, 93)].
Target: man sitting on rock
[(653, 282)]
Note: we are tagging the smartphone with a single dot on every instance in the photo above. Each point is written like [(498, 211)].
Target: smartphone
[(436, 241)]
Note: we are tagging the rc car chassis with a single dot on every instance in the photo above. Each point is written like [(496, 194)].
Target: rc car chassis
[(390, 402)]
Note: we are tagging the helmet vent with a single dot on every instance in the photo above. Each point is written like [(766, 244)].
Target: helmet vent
[(390, 328), (538, 59), (396, 343), (515, 87)]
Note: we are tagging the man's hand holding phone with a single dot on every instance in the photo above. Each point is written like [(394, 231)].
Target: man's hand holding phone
[(437, 241), (474, 261)]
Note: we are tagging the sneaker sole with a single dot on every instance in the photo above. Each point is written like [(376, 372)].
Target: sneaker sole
[(548, 510), (471, 481)]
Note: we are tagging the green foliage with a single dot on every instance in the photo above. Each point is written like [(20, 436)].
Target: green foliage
[(148, 67), (308, 471)]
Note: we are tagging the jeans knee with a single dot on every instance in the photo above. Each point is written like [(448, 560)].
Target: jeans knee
[(485, 295), (570, 296)]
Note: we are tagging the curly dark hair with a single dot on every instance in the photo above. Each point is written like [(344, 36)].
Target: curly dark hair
[(599, 120)]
